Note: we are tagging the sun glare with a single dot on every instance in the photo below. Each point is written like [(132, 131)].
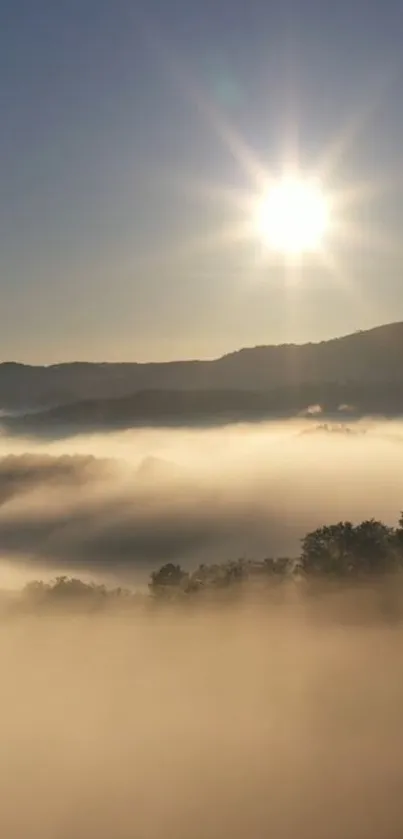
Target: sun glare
[(293, 216)]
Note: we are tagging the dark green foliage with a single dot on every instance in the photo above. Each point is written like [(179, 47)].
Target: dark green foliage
[(234, 573), (342, 551), (346, 549), (399, 535), (168, 581), (69, 590), (217, 576)]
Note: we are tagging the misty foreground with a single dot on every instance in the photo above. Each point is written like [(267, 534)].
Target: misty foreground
[(240, 699), (233, 698), (258, 719), (341, 558)]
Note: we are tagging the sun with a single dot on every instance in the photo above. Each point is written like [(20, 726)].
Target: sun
[(293, 216)]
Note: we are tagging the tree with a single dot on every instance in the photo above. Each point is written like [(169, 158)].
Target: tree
[(344, 549), (375, 547), (36, 591), (168, 581), (279, 568), (220, 575), (399, 536)]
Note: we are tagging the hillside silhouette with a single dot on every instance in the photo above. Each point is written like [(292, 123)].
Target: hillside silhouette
[(358, 375), (365, 357), (212, 408)]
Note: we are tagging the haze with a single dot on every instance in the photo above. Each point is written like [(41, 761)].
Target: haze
[(226, 723), (117, 506), (162, 675), (251, 719)]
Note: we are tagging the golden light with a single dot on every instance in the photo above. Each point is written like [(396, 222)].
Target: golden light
[(293, 216)]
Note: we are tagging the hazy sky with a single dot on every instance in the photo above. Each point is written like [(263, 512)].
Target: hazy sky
[(117, 175)]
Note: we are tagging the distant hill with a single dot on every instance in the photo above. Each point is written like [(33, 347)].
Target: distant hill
[(211, 407), (364, 358)]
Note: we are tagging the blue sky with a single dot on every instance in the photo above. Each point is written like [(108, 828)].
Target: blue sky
[(112, 173)]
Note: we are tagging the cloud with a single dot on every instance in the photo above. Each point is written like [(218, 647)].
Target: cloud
[(312, 411), (129, 502), (346, 408), (230, 723), (81, 510), (22, 473)]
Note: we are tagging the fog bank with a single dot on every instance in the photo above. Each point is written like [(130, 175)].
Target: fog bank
[(119, 505), (243, 723)]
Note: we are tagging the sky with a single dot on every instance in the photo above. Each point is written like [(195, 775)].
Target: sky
[(131, 138)]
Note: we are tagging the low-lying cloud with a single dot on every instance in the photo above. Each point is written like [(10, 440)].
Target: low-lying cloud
[(252, 720), (233, 724), (124, 503)]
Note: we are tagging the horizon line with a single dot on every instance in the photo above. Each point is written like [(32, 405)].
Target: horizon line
[(195, 360)]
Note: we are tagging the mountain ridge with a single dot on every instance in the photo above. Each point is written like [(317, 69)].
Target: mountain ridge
[(381, 328), (341, 403), (364, 357)]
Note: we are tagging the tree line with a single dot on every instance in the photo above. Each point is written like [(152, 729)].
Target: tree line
[(343, 551)]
